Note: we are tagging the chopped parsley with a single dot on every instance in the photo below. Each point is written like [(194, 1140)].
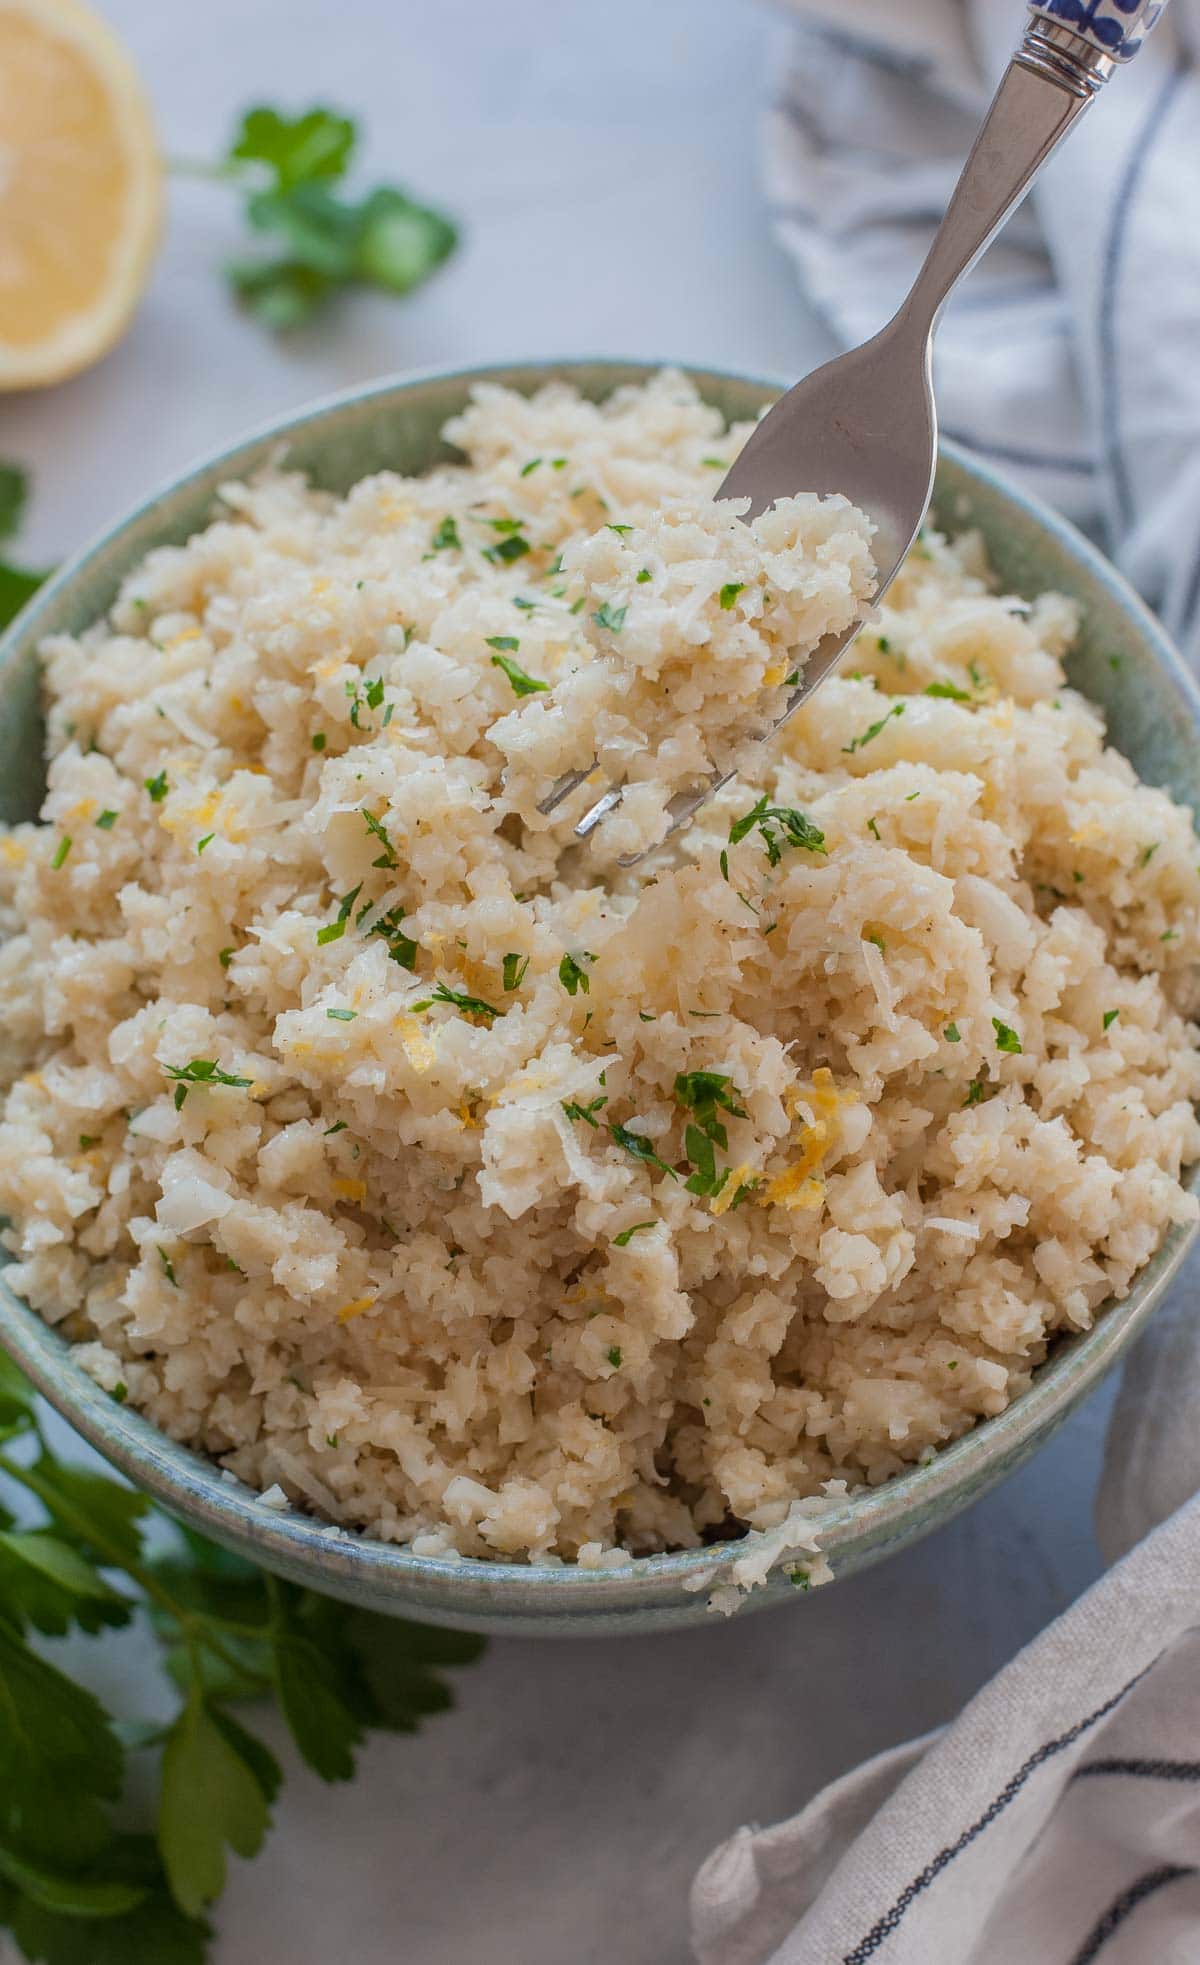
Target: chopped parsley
[(620, 530), (574, 978), (341, 1016), (975, 1091), (522, 684), (715, 463), (508, 642), (1006, 1037), (952, 1034), (338, 1126), (872, 731), (584, 1114), (723, 863), (643, 576), (873, 828), (949, 690), (613, 1354), (206, 841), (319, 741), (87, 1140), (800, 1579), (780, 827), (446, 538), (610, 617), (470, 1006), (168, 1266), (873, 935), (528, 469), (107, 821), (157, 787), (730, 592), (1148, 853), (225, 957), (641, 1149), (400, 947), (511, 548), (201, 1071), (335, 929), (515, 966), (1110, 1017), (61, 851), (387, 859), (704, 1094), (626, 1235)]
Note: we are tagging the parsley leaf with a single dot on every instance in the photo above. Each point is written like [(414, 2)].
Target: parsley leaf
[(471, 1006), (578, 1112), (212, 1793), (157, 788), (515, 966), (949, 690), (952, 1034), (612, 618), (572, 977), (626, 1235), (872, 730), (522, 684), (730, 592), (201, 1071), (1110, 1017), (780, 827), (640, 1148), (446, 537), (1006, 1037)]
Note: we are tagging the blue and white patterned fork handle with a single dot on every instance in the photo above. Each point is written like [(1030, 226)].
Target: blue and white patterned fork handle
[(1115, 28)]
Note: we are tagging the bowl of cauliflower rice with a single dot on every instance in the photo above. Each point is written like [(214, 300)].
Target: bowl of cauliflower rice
[(539, 1235)]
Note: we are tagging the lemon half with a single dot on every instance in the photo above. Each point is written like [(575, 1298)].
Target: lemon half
[(80, 190)]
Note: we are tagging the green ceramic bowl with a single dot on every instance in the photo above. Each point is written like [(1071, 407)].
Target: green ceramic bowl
[(1154, 718)]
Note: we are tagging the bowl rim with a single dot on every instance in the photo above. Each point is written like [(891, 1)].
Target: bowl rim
[(194, 1486)]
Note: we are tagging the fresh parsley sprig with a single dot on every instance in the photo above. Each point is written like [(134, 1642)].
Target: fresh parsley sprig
[(78, 1884), (286, 168)]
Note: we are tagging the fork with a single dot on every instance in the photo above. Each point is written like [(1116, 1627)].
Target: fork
[(865, 424)]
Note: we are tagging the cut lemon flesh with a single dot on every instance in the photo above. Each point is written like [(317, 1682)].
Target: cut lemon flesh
[(80, 190)]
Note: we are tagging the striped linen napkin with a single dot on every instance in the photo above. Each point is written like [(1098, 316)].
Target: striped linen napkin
[(1057, 1820)]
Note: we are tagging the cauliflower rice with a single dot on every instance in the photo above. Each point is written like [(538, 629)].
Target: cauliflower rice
[(369, 1134)]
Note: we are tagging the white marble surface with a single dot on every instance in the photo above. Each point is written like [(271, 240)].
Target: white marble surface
[(602, 161)]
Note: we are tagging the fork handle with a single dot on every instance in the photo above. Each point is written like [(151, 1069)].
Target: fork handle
[(1069, 50)]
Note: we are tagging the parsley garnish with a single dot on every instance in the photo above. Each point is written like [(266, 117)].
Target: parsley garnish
[(401, 947), (620, 530), (338, 1126), (515, 966), (643, 576), (471, 1006), (225, 957), (952, 1034), (613, 1354), (334, 931), (873, 828), (206, 841), (583, 1113), (780, 827), (87, 1140), (730, 592), (61, 851), (201, 1071), (514, 547), (446, 536), (1148, 853), (1110, 1017), (641, 1149), (950, 690), (872, 730), (157, 787), (626, 1235), (572, 977), (975, 1091), (508, 642), (168, 1266), (612, 618), (318, 742), (107, 821), (285, 167), (387, 859), (1006, 1037), (527, 469), (342, 1016), (522, 684)]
